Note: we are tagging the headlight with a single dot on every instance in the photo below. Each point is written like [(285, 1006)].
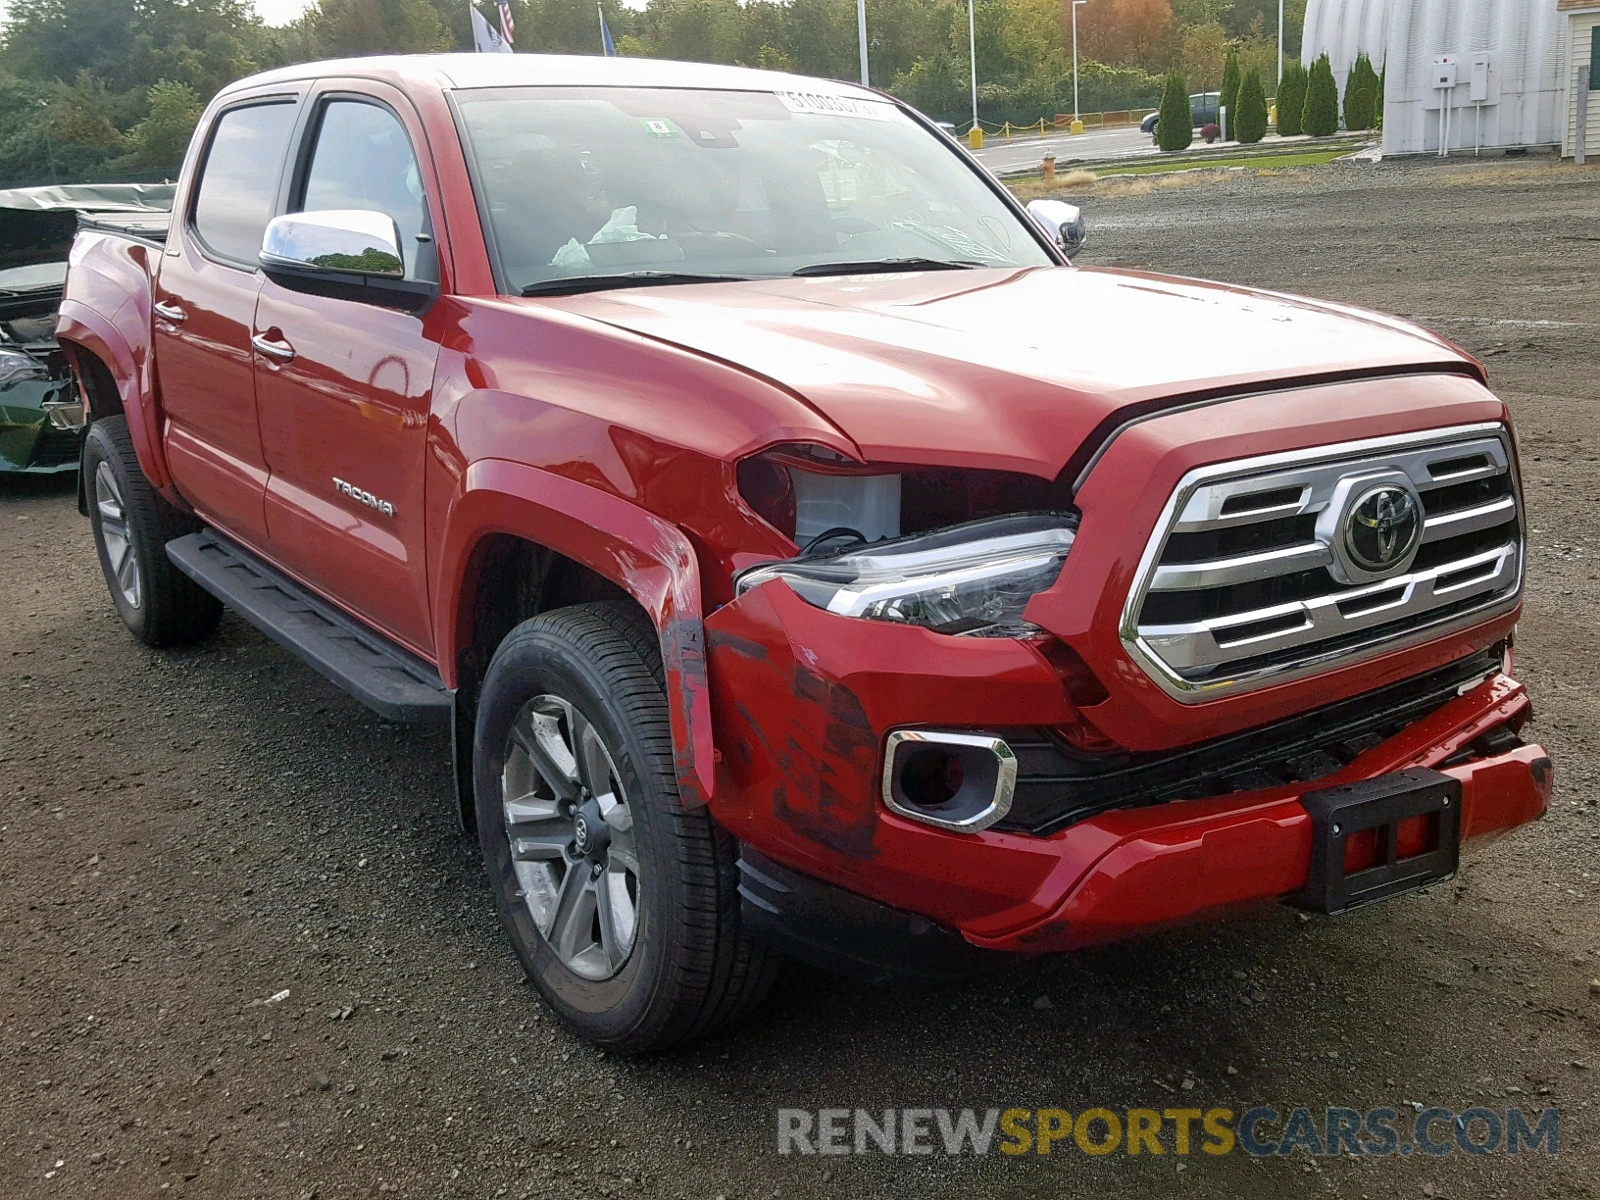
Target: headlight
[(16, 367), (972, 579)]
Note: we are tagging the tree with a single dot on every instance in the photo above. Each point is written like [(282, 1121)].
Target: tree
[(1360, 94), (1032, 33), (1127, 32), (988, 24), (160, 140), (1259, 18), (1260, 53), (356, 27), (55, 132), (556, 26), (1291, 99), (99, 84), (27, 151), (1205, 49), (1252, 122), (1230, 89), (703, 30), (937, 85), (1200, 12), (1107, 89), (130, 44), (901, 32), (1320, 117), (1175, 127), (55, 39)]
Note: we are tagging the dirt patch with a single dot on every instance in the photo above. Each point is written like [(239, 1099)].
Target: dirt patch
[(185, 836), (1076, 185)]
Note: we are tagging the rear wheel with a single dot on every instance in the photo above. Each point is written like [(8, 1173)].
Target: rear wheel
[(132, 526), (621, 904)]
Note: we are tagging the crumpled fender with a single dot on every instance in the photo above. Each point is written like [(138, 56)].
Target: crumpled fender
[(107, 276), (645, 556)]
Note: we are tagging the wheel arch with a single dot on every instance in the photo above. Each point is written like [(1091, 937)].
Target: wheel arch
[(114, 379), (519, 541)]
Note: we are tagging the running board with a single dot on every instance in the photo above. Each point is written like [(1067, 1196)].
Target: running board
[(385, 677)]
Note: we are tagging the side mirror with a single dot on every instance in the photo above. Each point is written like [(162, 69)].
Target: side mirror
[(1062, 223), (347, 253)]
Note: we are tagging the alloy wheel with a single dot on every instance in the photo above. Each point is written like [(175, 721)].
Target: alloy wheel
[(571, 836), (120, 554)]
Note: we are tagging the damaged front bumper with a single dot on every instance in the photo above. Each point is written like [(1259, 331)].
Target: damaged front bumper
[(804, 701), (41, 419)]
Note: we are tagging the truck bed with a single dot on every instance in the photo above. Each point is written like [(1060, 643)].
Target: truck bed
[(148, 227)]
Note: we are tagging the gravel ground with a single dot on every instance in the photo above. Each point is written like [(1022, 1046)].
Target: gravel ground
[(187, 836)]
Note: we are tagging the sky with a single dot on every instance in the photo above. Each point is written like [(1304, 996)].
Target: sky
[(278, 12)]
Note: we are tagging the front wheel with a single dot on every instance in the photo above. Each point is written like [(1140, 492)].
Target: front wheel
[(621, 904)]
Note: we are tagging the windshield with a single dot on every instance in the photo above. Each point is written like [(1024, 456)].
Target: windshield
[(673, 183)]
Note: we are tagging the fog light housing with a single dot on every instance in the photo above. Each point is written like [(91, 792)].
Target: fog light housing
[(957, 781)]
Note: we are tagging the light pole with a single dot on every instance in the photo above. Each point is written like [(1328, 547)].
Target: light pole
[(972, 53), (1280, 41), (1076, 4), (49, 145), (861, 32)]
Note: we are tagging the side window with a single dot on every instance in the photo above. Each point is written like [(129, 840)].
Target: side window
[(363, 159), (239, 182)]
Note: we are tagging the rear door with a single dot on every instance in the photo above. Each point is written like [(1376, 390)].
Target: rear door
[(345, 385), (205, 299)]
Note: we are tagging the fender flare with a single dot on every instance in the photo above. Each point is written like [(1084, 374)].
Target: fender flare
[(648, 558), (83, 328)]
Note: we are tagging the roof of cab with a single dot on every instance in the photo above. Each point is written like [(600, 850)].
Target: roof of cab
[(551, 70)]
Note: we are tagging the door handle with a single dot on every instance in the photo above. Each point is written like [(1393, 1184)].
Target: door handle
[(279, 351), (170, 312)]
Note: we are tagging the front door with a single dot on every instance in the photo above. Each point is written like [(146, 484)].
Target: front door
[(204, 305), (345, 385)]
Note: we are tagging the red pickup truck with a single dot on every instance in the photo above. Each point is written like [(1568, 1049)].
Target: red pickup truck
[(807, 558)]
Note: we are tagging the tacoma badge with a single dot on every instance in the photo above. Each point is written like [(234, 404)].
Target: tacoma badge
[(366, 497)]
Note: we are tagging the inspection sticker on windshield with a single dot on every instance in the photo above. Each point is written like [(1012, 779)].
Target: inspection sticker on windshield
[(822, 104), (659, 127)]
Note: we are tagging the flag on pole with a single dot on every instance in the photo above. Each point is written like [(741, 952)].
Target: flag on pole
[(607, 46), (484, 38), (508, 27)]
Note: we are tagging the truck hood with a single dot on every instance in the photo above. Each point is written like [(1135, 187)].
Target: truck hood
[(1011, 369)]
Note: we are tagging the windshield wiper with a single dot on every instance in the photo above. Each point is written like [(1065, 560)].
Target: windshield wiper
[(572, 284), (883, 265)]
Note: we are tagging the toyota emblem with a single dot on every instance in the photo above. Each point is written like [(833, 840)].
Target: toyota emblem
[(1382, 528)]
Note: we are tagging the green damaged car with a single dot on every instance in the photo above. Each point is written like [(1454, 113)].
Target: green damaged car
[(41, 419)]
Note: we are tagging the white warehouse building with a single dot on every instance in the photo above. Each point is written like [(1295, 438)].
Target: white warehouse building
[(1467, 74)]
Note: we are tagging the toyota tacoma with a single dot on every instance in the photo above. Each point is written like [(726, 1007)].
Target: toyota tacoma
[(807, 558)]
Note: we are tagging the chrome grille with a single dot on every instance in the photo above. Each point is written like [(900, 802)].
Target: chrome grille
[(1251, 577)]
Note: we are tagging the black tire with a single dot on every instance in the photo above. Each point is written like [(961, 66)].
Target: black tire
[(159, 604), (689, 969)]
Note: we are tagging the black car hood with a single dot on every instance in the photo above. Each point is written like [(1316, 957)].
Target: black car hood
[(29, 297), (37, 225)]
